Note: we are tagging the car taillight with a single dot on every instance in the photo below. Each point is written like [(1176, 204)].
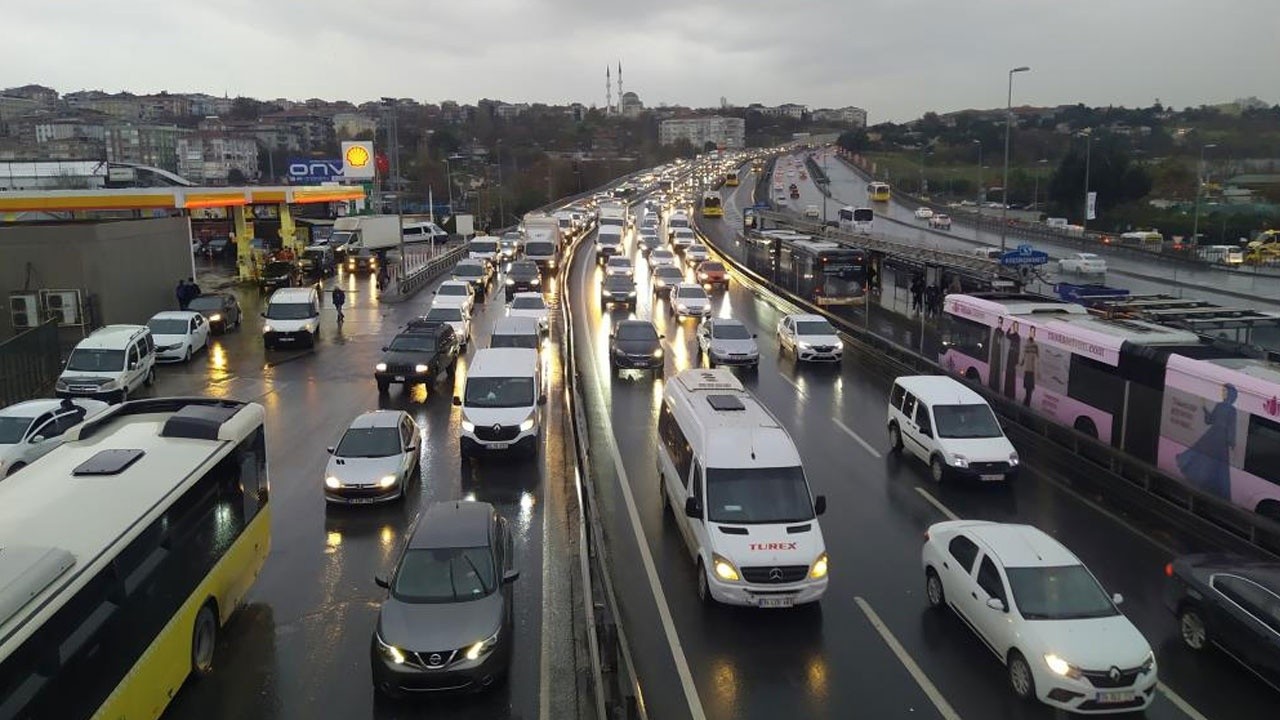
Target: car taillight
[(1168, 569)]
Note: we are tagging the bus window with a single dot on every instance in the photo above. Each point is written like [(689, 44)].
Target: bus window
[(1262, 449)]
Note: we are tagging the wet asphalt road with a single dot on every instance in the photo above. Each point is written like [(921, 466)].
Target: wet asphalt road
[(828, 661), (300, 648)]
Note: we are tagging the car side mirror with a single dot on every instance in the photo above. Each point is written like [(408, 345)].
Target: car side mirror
[(662, 337), (133, 365), (1117, 598), (511, 576), (262, 314), (754, 336), (384, 348), (542, 399), (329, 449), (457, 401), (995, 604), (693, 508), (819, 504), (38, 439), (382, 582)]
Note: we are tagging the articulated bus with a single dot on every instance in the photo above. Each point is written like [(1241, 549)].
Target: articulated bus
[(711, 206), (878, 191), (125, 550), (858, 220), (1206, 414), (820, 272)]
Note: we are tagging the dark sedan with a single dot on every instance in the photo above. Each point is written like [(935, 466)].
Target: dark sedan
[(222, 310), (362, 261), (446, 624), (523, 276), (420, 354), (1232, 603), (618, 290), (636, 344), (279, 274)]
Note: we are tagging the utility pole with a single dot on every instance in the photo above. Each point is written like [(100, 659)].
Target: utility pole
[(1195, 224), (393, 139), (981, 195), (1088, 152), (1008, 122), (502, 213)]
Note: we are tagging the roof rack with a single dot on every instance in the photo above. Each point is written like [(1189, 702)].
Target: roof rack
[(709, 379)]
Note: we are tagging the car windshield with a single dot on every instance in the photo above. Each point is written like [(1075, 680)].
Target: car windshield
[(814, 327), (514, 340), (455, 290), (758, 495), (288, 311), (637, 331), (206, 302), (277, 268), (413, 343), (1065, 592), (95, 360), (966, 421), (528, 303), (730, 331), (168, 326), (691, 293), (539, 249), (499, 392), (697, 248), (712, 267), (12, 429), (443, 575), (487, 246), (468, 271), (369, 443), (313, 255), (445, 314), (619, 263), (669, 274), (618, 282), (524, 268)]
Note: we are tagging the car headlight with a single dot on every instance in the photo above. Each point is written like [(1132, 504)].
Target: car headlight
[(657, 353), (819, 568), (484, 647), (804, 345), (308, 327), (215, 317), (468, 426), (724, 569), (510, 281), (332, 482), (60, 385), (380, 367), (960, 461), (386, 481), (421, 368), (536, 281), (1013, 458), (631, 293), (1061, 667), (527, 425), (702, 276), (389, 651), (266, 328), (682, 307), (110, 385), (1148, 664)]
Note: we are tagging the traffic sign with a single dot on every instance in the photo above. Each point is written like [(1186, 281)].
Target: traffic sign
[(1024, 255)]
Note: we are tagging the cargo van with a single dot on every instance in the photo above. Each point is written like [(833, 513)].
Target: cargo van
[(949, 426), (292, 318), (110, 364), (501, 402)]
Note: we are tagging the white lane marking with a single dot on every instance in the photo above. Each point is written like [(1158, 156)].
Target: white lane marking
[(866, 445), (792, 383), (930, 690), (937, 504), (646, 557), (1181, 704)]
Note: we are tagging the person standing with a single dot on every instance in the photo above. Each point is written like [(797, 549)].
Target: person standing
[(1207, 464), (1013, 344), (339, 299), (180, 292), (1030, 362), (997, 353), (917, 293)]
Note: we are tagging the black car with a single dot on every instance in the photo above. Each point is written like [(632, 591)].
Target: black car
[(222, 310), (446, 624), (477, 272), (618, 290), (523, 276), (1230, 602), (423, 352), (362, 260), (279, 274), (636, 344), (317, 261)]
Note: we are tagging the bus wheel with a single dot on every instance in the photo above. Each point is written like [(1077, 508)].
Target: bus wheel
[(1269, 509), (1086, 426), (204, 638), (971, 375)]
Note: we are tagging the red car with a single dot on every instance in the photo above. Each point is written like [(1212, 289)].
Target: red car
[(712, 273)]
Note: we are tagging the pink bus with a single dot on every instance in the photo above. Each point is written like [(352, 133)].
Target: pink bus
[(1207, 415)]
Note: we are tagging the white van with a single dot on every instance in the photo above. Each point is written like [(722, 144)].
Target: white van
[(501, 402), (950, 427), (516, 332), (739, 494), (485, 247), (292, 318), (111, 363)]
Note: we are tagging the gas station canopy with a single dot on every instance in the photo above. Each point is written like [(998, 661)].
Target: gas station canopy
[(174, 198)]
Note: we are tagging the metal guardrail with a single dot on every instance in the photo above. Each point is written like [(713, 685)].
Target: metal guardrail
[(410, 284), (1110, 472), (29, 363)]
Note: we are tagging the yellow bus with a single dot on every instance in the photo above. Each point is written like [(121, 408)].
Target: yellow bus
[(711, 206), (731, 179), (878, 191), (127, 549)]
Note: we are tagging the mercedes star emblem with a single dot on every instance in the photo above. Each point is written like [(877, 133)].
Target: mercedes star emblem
[(775, 574)]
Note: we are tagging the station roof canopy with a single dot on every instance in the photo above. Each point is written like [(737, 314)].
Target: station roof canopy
[(174, 198)]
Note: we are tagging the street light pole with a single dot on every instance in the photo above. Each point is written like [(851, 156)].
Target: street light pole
[(981, 195), (448, 181), (1008, 122), (1035, 195), (1195, 224), (1088, 152)]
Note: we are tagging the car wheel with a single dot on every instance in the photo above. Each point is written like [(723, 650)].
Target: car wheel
[(14, 468), (204, 640), (1021, 681), (895, 438), (933, 590), (124, 395), (187, 356), (937, 471), (704, 586), (1192, 629)]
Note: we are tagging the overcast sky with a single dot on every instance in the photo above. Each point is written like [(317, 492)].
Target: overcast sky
[(896, 58)]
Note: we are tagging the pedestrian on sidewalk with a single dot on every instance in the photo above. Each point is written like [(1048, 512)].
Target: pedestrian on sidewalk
[(917, 293), (339, 299)]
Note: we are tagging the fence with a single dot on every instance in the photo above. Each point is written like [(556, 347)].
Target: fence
[(29, 364)]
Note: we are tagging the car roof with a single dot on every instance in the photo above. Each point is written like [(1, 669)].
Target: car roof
[(298, 294), (503, 362), (175, 315), (634, 321), (1263, 572), (1022, 545), (460, 523), (515, 325), (377, 419), (422, 326), (940, 389), (806, 317), (469, 262), (111, 335), (527, 295)]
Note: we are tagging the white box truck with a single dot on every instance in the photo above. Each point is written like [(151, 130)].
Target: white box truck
[(540, 226), (368, 232)]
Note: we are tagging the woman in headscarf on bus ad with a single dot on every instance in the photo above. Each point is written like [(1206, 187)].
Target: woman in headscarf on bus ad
[(1207, 463)]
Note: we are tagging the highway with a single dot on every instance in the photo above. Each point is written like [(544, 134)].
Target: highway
[(872, 648), (300, 648), (1139, 275)]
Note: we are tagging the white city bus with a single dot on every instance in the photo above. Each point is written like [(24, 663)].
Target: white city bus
[(122, 553)]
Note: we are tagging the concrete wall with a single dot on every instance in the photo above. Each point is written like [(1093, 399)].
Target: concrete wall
[(128, 267)]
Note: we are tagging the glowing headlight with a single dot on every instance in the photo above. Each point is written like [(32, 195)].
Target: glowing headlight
[(484, 647), (960, 461), (536, 281), (332, 482), (390, 652), (724, 569), (215, 317), (527, 425), (386, 481), (657, 353), (266, 328), (1013, 458), (380, 367), (804, 345), (632, 293), (510, 281), (702, 276), (468, 426), (819, 569), (1060, 666), (421, 368), (308, 327)]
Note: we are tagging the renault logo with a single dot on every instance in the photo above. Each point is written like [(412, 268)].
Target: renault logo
[(1114, 674), (434, 659), (497, 428), (775, 574)]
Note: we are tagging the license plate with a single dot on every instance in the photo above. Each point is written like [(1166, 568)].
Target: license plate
[(285, 338), (499, 446), (1117, 696), (992, 478), (774, 602), (360, 500), (399, 378)]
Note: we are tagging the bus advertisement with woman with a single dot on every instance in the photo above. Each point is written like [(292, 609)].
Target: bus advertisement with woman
[(1203, 414)]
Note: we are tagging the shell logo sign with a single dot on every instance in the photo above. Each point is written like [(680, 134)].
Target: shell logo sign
[(357, 159)]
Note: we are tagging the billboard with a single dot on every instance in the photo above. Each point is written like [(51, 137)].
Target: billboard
[(310, 171), (358, 160)]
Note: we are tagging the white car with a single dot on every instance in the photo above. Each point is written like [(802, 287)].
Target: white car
[(661, 257), (924, 213), (690, 300), (1044, 615), (940, 222), (810, 338), (683, 238), (1083, 264), (29, 430), (812, 211), (375, 459), (178, 334), (619, 266), (725, 341), (530, 305), (455, 292), (458, 318), (695, 254)]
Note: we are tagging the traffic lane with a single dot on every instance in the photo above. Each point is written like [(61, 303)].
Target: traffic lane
[(809, 648), (317, 587)]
